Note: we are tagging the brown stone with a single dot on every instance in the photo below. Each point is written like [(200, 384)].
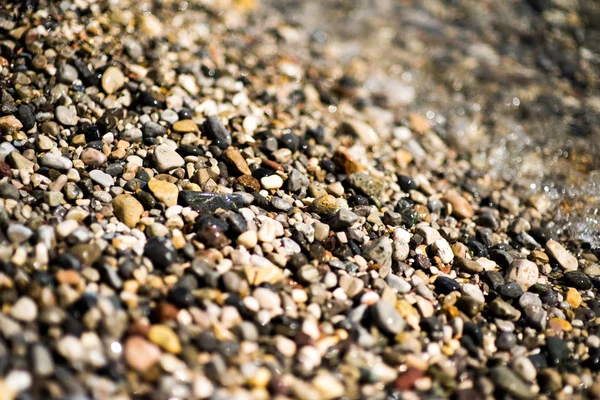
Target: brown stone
[(185, 125), (127, 209), (249, 183), (406, 380), (235, 159), (460, 206)]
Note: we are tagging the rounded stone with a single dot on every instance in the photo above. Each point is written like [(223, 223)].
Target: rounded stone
[(113, 79), (164, 191), (524, 272)]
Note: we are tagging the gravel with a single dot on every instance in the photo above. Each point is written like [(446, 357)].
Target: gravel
[(198, 201)]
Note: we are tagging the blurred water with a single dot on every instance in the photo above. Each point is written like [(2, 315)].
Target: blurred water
[(513, 84)]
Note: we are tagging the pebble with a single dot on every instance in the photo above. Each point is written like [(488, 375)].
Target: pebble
[(216, 131), (467, 265), (140, 354), (248, 239), (24, 310), (325, 205), (524, 272), (235, 159), (510, 383), (127, 209), (102, 178), (387, 318), (271, 182), (460, 206), (55, 161), (577, 280), (93, 157), (379, 251), (361, 130), (164, 191), (563, 257), (167, 159), (65, 116), (165, 338), (113, 79)]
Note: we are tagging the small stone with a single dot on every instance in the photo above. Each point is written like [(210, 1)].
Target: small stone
[(92, 157), (234, 158), (164, 337), (24, 310), (325, 205), (67, 73), (152, 129), (167, 159), (18, 233), (467, 265), (387, 317), (21, 162), (573, 298), (509, 382), (43, 364), (53, 199), (577, 280), (328, 386), (10, 121), (361, 130), (248, 239), (297, 181), (127, 209), (65, 116), (8, 191), (55, 161), (211, 202), (164, 191), (216, 131), (524, 272), (113, 79), (141, 354), (460, 206), (249, 183), (268, 230), (102, 178), (443, 250), (566, 260), (184, 126), (271, 182), (379, 250)]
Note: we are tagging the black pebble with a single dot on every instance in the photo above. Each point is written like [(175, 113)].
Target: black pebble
[(161, 252), (577, 280), (445, 285), (510, 290), (25, 115)]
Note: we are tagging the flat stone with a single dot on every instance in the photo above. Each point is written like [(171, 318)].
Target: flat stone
[(102, 178), (524, 272), (566, 260), (10, 121), (167, 159), (442, 249), (234, 158), (164, 191), (184, 126), (127, 209), (55, 161), (211, 202), (113, 79), (141, 354), (467, 265)]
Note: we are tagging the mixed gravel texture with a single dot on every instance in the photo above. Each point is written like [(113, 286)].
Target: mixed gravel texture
[(195, 204)]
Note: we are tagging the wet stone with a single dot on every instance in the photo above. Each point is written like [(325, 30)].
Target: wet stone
[(577, 280), (210, 202)]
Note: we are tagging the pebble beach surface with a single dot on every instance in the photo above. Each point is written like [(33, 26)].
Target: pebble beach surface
[(196, 204)]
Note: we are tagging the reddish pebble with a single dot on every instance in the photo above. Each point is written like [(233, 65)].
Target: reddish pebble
[(140, 354), (407, 380)]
